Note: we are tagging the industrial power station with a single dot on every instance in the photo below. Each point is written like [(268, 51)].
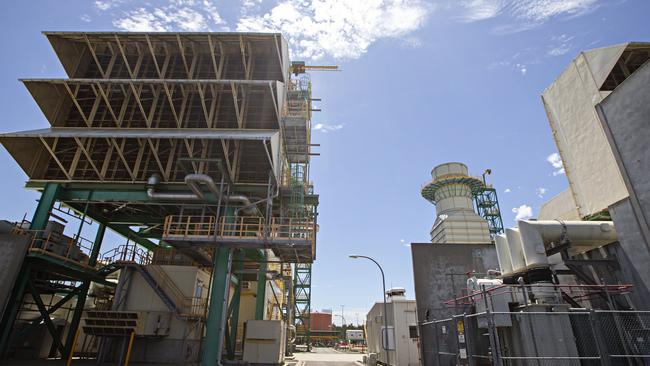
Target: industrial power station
[(567, 288), (195, 148)]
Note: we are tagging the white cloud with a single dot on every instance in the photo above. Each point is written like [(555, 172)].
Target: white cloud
[(481, 9), (86, 18), (524, 212), (325, 128), (104, 5), (535, 11), (521, 68), (560, 45), (542, 10), (183, 15), (342, 29), (507, 190), (556, 161), (541, 191), (140, 20)]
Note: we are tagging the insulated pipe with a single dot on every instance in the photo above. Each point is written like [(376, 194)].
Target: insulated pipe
[(503, 253), (194, 181), (152, 194), (536, 235)]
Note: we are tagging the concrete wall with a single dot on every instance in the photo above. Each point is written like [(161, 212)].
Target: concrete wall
[(590, 168), (561, 207), (439, 276), (12, 252), (625, 116)]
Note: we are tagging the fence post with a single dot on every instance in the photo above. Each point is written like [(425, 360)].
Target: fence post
[(601, 345), (493, 333), (469, 341)]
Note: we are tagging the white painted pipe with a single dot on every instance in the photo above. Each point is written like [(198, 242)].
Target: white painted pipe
[(536, 235)]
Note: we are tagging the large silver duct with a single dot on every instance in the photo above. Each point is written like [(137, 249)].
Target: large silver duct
[(194, 182), (527, 243)]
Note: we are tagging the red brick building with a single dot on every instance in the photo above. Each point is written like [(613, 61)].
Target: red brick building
[(320, 321)]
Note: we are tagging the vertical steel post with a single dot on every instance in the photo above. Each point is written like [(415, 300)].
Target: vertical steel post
[(83, 292), (234, 317), (216, 322), (601, 343), (261, 290)]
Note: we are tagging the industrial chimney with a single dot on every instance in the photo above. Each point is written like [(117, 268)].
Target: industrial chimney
[(452, 191)]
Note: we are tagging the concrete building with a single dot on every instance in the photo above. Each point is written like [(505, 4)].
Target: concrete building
[(402, 334), (320, 321), (597, 110)]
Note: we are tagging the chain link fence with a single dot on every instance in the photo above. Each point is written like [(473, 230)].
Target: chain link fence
[(540, 338)]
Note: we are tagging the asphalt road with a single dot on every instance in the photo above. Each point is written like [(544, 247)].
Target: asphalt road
[(327, 357)]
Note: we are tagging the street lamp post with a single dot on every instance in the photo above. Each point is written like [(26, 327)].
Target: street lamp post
[(384, 338)]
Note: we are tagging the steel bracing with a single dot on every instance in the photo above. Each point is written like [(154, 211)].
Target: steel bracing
[(201, 141), (487, 205)]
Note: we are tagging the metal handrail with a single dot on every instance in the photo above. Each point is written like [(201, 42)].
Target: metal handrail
[(239, 227), (39, 244)]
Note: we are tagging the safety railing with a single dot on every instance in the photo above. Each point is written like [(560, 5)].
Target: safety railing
[(189, 226), (195, 307), (581, 337), (576, 292), (58, 246), (239, 227), (129, 252)]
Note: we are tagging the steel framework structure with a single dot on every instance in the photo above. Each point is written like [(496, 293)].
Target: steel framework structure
[(487, 205), (137, 116)]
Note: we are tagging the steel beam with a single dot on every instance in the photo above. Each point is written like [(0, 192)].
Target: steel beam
[(83, 293), (216, 322), (234, 307), (261, 292), (45, 204)]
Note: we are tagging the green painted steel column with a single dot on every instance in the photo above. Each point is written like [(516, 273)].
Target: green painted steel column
[(83, 292), (234, 306), (261, 291), (45, 204), (216, 323)]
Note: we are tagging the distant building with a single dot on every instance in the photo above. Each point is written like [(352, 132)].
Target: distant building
[(320, 321), (402, 330)]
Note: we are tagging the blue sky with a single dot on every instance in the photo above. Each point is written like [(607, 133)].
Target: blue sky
[(423, 82)]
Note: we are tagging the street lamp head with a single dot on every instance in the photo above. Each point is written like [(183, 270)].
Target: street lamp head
[(353, 256)]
